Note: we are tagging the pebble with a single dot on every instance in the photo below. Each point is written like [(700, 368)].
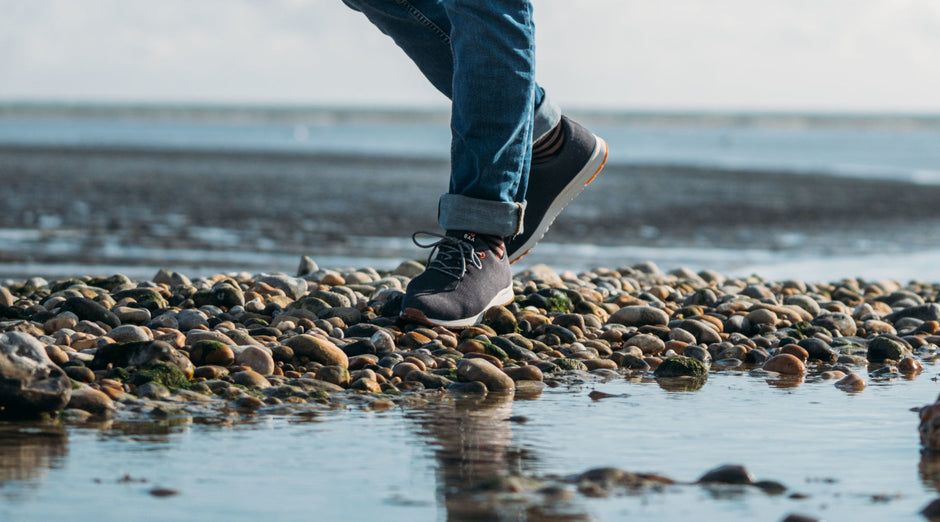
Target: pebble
[(727, 474), (648, 344), (318, 350), (31, 383), (785, 364), (92, 401), (851, 382), (256, 358), (251, 379), (332, 335), (886, 348), (681, 367), (798, 351), (128, 333), (469, 370)]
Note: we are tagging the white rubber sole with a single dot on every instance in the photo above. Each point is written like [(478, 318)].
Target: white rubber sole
[(504, 297), (577, 184)]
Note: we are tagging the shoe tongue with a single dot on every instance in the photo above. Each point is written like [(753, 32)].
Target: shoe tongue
[(480, 242), (466, 237)]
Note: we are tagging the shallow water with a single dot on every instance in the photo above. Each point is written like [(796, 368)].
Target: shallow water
[(842, 456)]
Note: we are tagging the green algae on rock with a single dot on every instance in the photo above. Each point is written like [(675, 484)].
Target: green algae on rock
[(681, 367)]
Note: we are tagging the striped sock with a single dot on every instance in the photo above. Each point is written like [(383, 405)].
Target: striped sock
[(496, 244), (548, 146)]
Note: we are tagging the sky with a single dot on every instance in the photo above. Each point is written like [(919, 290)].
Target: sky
[(778, 55)]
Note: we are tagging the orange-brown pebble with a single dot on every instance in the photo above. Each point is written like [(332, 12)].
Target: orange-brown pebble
[(797, 350), (417, 362), (851, 382), (362, 374), (930, 327), (677, 346), (785, 364), (712, 321), (832, 375), (524, 373), (909, 365), (56, 354), (174, 338), (223, 356), (471, 346), (332, 279), (367, 385), (614, 335), (414, 340), (402, 369), (600, 364), (85, 344), (493, 360), (654, 362)]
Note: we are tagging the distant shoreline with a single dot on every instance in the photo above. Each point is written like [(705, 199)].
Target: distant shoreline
[(206, 111)]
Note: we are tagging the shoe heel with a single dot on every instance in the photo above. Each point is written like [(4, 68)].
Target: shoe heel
[(600, 167)]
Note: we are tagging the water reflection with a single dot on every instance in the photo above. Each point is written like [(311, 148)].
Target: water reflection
[(28, 451), (481, 474), (929, 469), (680, 384)]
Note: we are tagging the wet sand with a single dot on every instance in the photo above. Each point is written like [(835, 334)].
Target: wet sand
[(94, 202)]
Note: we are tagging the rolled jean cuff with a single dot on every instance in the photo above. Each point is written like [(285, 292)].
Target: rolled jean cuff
[(546, 117), (483, 216)]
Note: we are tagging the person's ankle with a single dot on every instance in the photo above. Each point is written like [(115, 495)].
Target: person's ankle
[(548, 146)]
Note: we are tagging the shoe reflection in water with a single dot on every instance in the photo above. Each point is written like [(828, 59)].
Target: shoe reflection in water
[(481, 474)]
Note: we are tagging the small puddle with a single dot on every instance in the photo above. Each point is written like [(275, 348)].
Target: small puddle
[(837, 455)]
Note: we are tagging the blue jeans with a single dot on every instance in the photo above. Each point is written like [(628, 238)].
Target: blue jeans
[(481, 55)]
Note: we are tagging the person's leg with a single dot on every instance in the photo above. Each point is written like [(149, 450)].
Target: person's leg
[(481, 54), (497, 108), (493, 98), (421, 28)]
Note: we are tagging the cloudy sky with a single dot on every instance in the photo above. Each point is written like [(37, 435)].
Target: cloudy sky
[(855, 55)]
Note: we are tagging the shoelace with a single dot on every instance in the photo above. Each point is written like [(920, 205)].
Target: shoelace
[(452, 254)]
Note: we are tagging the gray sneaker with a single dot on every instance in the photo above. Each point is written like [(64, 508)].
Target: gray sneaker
[(464, 279), (554, 183)]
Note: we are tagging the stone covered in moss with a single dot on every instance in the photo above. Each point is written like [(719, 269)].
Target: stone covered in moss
[(681, 367), (167, 375)]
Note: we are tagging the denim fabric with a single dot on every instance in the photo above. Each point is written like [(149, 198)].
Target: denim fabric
[(480, 54)]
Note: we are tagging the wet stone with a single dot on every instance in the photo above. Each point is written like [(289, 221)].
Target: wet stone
[(698, 353), (469, 370), (639, 316), (840, 322), (885, 348), (727, 474), (86, 309), (92, 401), (30, 384), (818, 350), (681, 367), (316, 349), (785, 364), (256, 358), (251, 379), (80, 373), (152, 390)]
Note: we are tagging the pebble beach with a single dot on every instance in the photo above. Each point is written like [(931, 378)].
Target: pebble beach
[(237, 345)]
